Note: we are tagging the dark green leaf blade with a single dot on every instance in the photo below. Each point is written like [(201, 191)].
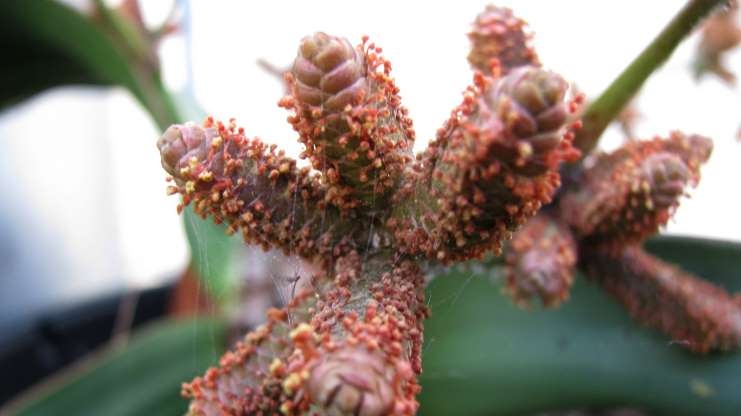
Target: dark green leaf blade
[(212, 255), (143, 379), (484, 356), (47, 44)]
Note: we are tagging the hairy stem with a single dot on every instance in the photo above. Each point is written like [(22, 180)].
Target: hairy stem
[(696, 313), (609, 104)]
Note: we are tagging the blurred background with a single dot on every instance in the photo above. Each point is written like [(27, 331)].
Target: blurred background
[(83, 212)]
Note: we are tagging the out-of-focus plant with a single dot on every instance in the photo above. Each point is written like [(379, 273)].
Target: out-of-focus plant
[(373, 216), (50, 44), (720, 34)]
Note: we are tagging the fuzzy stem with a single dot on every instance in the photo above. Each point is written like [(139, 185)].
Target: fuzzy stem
[(696, 313), (252, 187), (369, 330), (350, 346), (609, 104)]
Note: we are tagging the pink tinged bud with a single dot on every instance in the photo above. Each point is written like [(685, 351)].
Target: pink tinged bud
[(328, 72), (349, 117), (693, 149), (493, 164), (667, 176), (499, 36), (180, 143), (541, 259), (351, 381), (629, 194), (530, 101)]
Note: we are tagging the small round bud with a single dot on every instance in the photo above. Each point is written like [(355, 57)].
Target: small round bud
[(351, 381), (498, 35)]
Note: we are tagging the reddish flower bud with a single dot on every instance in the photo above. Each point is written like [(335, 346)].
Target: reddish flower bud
[(540, 262), (349, 116), (498, 34), (628, 194), (329, 73), (352, 382), (491, 167)]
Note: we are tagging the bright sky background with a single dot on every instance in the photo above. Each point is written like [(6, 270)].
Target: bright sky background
[(81, 168)]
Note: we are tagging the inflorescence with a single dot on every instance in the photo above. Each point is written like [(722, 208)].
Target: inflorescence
[(372, 215)]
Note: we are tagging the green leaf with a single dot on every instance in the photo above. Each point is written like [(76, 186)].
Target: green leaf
[(212, 256), (142, 379), (483, 356), (212, 251), (47, 44)]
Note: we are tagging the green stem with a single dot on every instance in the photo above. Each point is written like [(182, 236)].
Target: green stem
[(609, 104), (159, 101), (149, 89)]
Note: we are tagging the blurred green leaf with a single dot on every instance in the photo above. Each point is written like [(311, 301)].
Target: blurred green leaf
[(47, 44), (483, 356), (212, 256), (142, 379), (212, 251)]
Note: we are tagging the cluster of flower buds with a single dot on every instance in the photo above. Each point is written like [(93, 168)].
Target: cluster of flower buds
[(621, 199), (369, 214), (496, 160), (615, 202)]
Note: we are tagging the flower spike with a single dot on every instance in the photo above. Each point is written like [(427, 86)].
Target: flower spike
[(251, 187), (696, 313), (349, 116), (500, 41), (628, 194), (492, 166)]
